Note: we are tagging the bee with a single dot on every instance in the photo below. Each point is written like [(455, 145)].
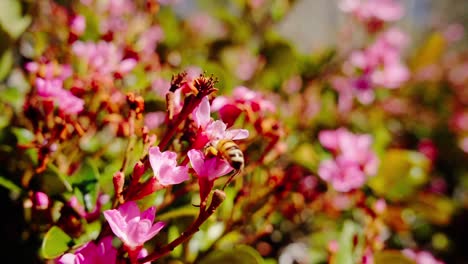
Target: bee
[(229, 151)]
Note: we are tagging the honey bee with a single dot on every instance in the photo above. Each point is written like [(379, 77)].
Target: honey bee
[(229, 151)]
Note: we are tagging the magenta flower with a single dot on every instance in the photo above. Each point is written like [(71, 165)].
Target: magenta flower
[(207, 170), (40, 200), (211, 168), (165, 167), (210, 130), (91, 253), (131, 226), (242, 99)]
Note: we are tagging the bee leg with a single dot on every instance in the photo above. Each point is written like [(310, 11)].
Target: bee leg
[(231, 178)]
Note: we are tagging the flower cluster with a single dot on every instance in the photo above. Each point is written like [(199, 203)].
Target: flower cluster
[(353, 160)]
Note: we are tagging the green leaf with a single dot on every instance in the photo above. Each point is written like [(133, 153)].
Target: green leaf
[(11, 19), (86, 180), (345, 252), (55, 243), (6, 62), (400, 173), (241, 254), (23, 135), (391, 257), (173, 234), (91, 232), (9, 185)]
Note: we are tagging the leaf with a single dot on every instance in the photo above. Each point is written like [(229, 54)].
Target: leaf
[(23, 135), (345, 252), (241, 254), (9, 185), (55, 243), (86, 180), (438, 209), (11, 19), (6, 62), (306, 156), (391, 257), (173, 234), (400, 173)]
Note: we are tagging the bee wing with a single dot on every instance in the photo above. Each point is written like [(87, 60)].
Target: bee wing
[(236, 134)]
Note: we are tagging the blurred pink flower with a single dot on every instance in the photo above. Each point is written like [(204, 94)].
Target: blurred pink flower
[(343, 174), (133, 227), (379, 65), (53, 88), (353, 160), (373, 11), (90, 253), (103, 58), (161, 86), (69, 103), (242, 99), (421, 257), (94, 212), (149, 39), (40, 200), (154, 119), (50, 70), (454, 32), (78, 25), (165, 167)]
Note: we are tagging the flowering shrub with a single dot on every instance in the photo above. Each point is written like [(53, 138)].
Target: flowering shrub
[(248, 150)]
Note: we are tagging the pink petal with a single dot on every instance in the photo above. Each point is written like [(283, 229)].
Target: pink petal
[(196, 158), (201, 115), (149, 214), (116, 222)]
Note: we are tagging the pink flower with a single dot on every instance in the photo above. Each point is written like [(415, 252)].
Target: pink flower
[(103, 57), (40, 200), (49, 87), (211, 168), (53, 88), (354, 160), (69, 103), (421, 257), (78, 25), (207, 170), (154, 119), (91, 253), (50, 70), (373, 12), (161, 86), (243, 99), (343, 174), (133, 227), (210, 130), (165, 167), (94, 212)]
